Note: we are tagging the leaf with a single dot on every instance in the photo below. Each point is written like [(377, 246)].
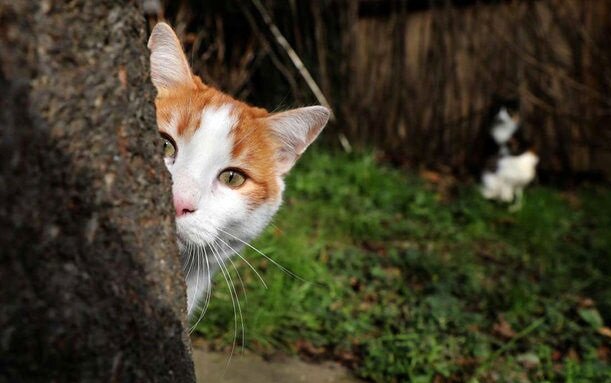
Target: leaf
[(529, 360), (605, 331), (503, 328), (592, 317)]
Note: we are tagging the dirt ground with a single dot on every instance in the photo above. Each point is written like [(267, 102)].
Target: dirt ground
[(210, 367)]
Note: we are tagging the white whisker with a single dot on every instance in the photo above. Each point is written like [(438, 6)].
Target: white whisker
[(245, 260), (204, 309), (189, 256), (197, 273), (289, 272), (234, 301), (238, 274), (235, 291), (185, 263)]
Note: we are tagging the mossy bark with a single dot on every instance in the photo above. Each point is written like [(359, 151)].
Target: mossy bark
[(91, 287)]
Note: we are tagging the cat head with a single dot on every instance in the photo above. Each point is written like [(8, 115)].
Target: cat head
[(227, 159)]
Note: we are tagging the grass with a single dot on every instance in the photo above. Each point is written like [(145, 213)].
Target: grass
[(404, 283)]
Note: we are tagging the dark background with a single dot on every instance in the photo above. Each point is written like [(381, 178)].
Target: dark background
[(416, 79)]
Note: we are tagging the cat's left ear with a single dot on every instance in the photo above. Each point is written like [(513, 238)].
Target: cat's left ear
[(169, 66), (294, 131)]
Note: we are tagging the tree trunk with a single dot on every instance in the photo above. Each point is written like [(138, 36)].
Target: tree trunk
[(90, 275)]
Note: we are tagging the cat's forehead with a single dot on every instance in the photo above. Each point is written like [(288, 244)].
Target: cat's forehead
[(185, 123), (180, 112)]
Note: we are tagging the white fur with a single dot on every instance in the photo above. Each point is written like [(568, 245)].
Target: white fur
[(503, 128), (220, 209), (511, 177)]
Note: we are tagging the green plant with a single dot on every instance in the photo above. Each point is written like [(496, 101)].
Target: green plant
[(402, 283)]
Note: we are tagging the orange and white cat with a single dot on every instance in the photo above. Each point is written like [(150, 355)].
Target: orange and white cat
[(227, 160)]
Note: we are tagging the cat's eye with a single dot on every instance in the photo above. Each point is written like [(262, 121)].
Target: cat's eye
[(169, 148), (232, 178)]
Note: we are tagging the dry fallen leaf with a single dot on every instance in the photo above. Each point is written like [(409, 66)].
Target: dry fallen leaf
[(308, 348), (503, 328), (586, 303), (603, 353), (572, 355), (431, 176), (605, 331)]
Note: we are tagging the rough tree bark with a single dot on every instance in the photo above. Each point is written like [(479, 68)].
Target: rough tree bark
[(91, 288)]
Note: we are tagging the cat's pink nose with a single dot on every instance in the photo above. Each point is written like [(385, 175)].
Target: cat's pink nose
[(183, 206)]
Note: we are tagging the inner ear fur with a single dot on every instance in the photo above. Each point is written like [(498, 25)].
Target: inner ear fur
[(293, 131), (169, 66)]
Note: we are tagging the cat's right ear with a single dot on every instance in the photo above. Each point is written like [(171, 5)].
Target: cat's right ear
[(169, 66)]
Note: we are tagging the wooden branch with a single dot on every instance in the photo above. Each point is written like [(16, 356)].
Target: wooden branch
[(275, 60), (303, 71)]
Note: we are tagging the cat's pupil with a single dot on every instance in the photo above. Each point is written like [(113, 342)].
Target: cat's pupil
[(232, 178)]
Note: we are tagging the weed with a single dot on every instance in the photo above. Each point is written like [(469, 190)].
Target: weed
[(404, 285)]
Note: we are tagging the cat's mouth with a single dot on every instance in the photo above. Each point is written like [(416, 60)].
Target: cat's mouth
[(193, 231), (218, 243)]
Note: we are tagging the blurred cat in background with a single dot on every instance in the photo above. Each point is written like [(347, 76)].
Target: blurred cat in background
[(511, 163)]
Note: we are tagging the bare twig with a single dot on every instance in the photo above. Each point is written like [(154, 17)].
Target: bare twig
[(275, 60), (303, 71)]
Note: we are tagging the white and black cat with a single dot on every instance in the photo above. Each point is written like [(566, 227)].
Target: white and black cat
[(511, 162)]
